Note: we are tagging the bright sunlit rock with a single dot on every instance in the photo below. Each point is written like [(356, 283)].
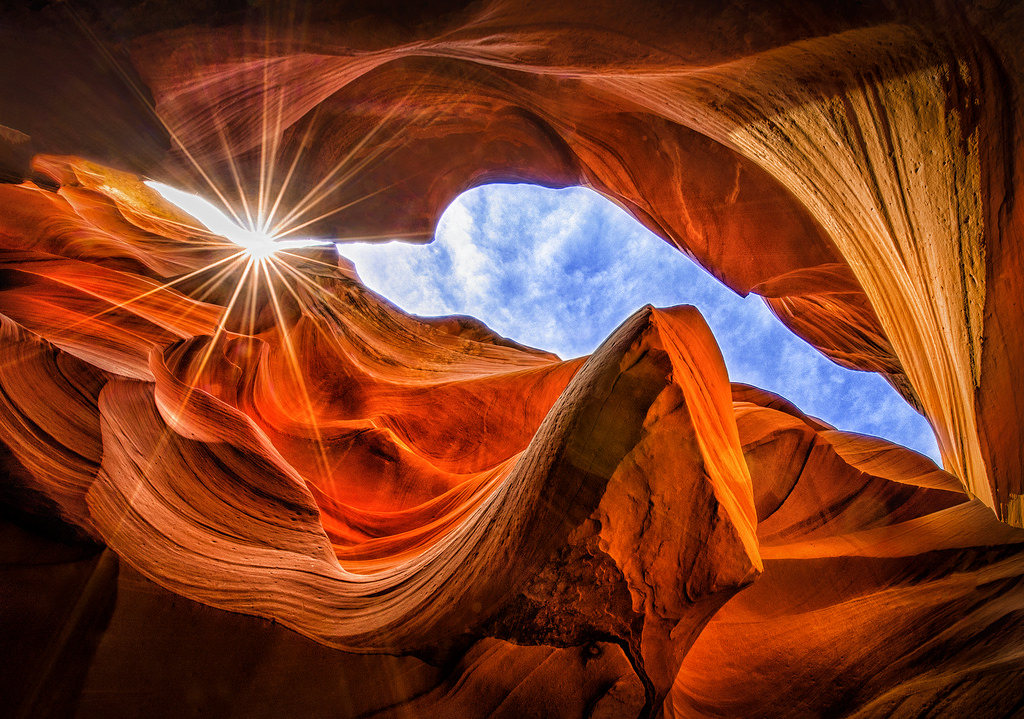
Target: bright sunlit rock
[(258, 245)]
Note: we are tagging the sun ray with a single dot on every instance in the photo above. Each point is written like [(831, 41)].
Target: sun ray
[(275, 149), (319, 291), (142, 97), (280, 264), (259, 260), (273, 98), (204, 290), (205, 176), (267, 219), (233, 166), (296, 368), (204, 246), (303, 143), (220, 125), (193, 242), (167, 432), (284, 232), (274, 265), (308, 200), (253, 296), (254, 262), (317, 195), (220, 329), (160, 288), (301, 258), (322, 190), (261, 191)]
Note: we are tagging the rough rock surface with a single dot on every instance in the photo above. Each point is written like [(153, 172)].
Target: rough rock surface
[(251, 487)]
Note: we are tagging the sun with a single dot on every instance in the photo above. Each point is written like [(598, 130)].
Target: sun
[(257, 244)]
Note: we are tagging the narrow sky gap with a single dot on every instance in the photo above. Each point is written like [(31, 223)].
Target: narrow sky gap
[(257, 243), (560, 269)]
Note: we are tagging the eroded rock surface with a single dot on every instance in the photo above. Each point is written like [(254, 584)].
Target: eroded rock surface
[(240, 486)]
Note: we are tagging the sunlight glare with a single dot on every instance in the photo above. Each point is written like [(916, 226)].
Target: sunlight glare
[(257, 245)]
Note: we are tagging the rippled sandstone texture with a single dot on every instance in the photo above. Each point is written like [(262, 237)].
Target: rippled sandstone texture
[(258, 489)]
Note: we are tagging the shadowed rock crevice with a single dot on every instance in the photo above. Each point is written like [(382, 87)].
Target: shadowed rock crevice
[(253, 487)]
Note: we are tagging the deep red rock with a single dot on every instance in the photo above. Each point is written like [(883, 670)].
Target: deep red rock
[(240, 489)]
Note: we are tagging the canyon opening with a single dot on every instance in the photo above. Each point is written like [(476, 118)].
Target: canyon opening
[(239, 482)]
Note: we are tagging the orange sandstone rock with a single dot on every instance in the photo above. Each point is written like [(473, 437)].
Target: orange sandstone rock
[(255, 488)]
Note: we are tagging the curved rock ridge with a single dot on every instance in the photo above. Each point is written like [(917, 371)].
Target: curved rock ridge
[(303, 472), (357, 475), (884, 558), (850, 166), (310, 472), (248, 486)]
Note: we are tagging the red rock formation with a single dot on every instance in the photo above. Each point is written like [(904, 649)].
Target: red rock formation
[(407, 516)]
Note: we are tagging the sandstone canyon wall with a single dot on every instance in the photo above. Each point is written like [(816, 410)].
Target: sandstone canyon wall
[(241, 484)]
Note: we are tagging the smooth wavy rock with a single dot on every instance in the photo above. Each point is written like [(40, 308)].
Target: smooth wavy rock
[(869, 552), (302, 474), (854, 166), (242, 485)]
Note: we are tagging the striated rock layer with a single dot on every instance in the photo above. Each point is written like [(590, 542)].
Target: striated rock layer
[(244, 485)]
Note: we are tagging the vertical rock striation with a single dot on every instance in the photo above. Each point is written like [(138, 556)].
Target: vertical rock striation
[(241, 484)]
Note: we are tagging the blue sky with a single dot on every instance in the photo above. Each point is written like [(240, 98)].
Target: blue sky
[(560, 269)]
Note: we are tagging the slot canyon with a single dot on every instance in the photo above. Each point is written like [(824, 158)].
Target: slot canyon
[(239, 483)]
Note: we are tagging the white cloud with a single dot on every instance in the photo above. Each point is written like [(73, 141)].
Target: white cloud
[(560, 269)]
